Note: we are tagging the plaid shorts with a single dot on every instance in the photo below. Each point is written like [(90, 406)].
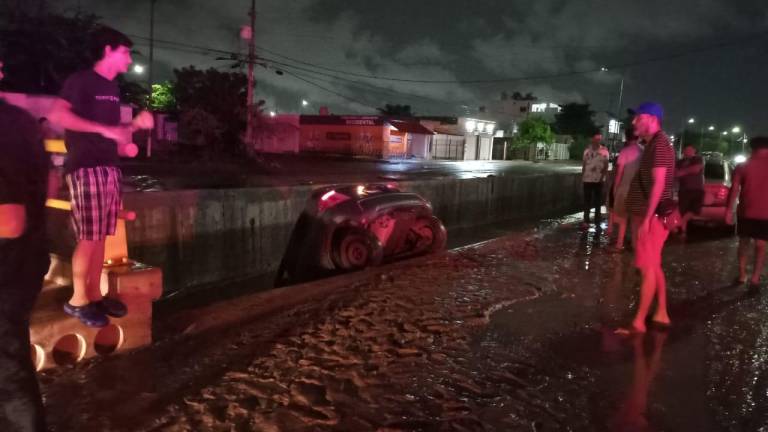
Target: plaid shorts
[(95, 196)]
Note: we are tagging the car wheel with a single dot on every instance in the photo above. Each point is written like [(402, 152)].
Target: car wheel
[(356, 249), (432, 235)]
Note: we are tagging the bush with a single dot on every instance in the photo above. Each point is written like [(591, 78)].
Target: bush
[(576, 149)]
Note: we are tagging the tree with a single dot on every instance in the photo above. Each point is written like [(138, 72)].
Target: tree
[(396, 110), (534, 131), (219, 94), (200, 128), (523, 97), (576, 120), (133, 93), (43, 48), (163, 97)]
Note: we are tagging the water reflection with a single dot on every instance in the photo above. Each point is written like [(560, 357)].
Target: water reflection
[(632, 413)]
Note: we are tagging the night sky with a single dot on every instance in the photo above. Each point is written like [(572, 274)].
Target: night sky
[(699, 58)]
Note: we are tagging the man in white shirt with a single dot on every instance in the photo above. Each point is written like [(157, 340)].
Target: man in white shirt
[(594, 168)]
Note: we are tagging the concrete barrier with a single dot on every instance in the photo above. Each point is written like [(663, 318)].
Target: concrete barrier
[(202, 237)]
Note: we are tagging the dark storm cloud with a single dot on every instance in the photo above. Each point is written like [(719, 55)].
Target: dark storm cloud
[(460, 40)]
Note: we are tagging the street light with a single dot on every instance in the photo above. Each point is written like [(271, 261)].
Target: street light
[(139, 69), (736, 129), (691, 120), (711, 128), (618, 108), (304, 102)]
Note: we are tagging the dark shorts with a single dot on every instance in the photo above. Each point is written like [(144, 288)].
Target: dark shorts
[(690, 201), (752, 228)]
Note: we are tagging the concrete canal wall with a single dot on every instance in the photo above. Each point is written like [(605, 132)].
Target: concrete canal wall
[(200, 237)]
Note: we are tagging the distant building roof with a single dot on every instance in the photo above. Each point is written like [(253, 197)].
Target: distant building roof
[(411, 127)]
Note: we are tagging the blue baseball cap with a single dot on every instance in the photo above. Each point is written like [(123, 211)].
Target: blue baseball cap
[(650, 108)]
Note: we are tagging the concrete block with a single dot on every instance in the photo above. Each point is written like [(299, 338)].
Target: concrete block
[(58, 339)]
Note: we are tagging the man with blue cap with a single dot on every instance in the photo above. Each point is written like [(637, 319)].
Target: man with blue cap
[(649, 202)]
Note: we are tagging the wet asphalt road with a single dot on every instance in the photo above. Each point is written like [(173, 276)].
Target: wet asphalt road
[(515, 334), (707, 373)]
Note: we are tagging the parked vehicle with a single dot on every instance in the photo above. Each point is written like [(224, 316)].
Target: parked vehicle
[(344, 228), (717, 184)]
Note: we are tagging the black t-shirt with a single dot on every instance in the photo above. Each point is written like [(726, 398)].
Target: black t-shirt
[(23, 180), (691, 181), (97, 99)]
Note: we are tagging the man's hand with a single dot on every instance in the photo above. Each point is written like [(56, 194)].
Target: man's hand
[(127, 150), (728, 217), (144, 120)]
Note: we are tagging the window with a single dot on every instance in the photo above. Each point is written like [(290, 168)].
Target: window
[(714, 170)]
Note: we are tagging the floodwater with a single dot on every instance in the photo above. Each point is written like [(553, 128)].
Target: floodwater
[(513, 334)]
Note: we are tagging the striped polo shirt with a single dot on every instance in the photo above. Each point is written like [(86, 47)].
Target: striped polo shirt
[(658, 153)]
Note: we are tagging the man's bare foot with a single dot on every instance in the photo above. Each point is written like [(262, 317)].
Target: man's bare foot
[(630, 331), (662, 319)]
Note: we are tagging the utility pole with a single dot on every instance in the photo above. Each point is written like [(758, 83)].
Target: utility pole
[(251, 61), (151, 45), (151, 68), (618, 113)]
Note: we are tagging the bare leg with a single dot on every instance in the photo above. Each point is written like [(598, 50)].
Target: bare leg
[(94, 271), (81, 263), (684, 222), (661, 315), (622, 222), (611, 220), (743, 255), (759, 261), (647, 290)]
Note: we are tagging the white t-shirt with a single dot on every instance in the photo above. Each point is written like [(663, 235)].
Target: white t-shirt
[(595, 163)]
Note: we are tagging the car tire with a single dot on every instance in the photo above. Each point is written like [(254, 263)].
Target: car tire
[(355, 249), (433, 231)]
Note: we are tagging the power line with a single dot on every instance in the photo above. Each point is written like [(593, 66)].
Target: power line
[(327, 71), (349, 98), (376, 89)]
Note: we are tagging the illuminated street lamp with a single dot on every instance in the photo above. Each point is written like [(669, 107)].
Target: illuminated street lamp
[(691, 120), (736, 129), (304, 102), (711, 128), (139, 69)]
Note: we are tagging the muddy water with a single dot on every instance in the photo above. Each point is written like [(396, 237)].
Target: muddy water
[(514, 334)]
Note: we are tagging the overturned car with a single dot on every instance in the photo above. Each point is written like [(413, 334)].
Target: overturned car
[(345, 228)]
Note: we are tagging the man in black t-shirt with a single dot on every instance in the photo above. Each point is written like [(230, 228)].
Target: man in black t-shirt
[(89, 111), (690, 178), (23, 263)]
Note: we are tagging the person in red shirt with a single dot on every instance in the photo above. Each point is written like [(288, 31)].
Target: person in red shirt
[(748, 186)]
